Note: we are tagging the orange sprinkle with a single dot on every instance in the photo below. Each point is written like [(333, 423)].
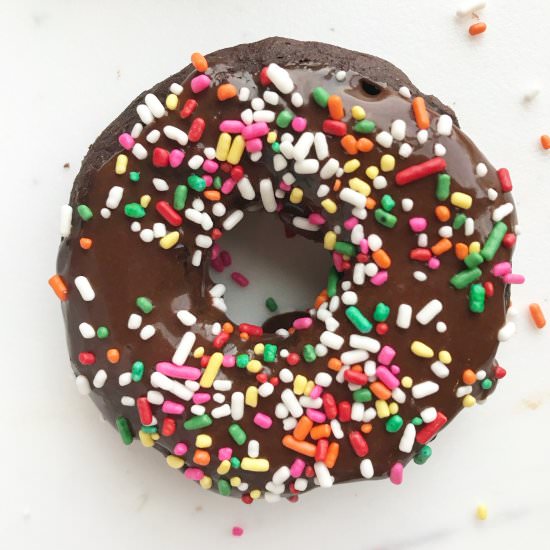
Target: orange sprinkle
[(113, 355), (228, 327), (442, 213), (291, 330), (442, 246), (86, 243), (381, 258), (303, 427), (226, 91), (537, 315), (381, 391), (59, 287), (349, 144), (320, 431), (337, 185), (366, 428), (421, 113), (477, 28), (201, 457), (334, 364), (244, 336), (302, 447), (212, 195), (322, 297), (461, 250), (365, 145), (356, 368), (332, 454), (469, 377), (545, 141), (371, 203), (335, 107), (199, 62)]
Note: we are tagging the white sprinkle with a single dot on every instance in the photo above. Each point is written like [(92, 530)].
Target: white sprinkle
[(308, 166), (257, 104), (441, 327), (507, 331), (155, 397), (439, 369), (288, 178), (221, 412), (304, 224), (429, 414), (217, 291), (301, 484), (145, 114), (502, 211), (222, 385), (233, 219), (195, 162), (371, 269), (329, 169), (380, 182), (186, 317), (320, 350), (404, 314), (364, 342), (147, 235), (65, 224), (272, 98), (366, 468), (424, 389), (176, 88), (444, 125), (264, 116), (153, 136), (127, 401), (253, 448), (193, 215), (405, 150), (134, 321), (469, 227), (176, 134), (357, 410), (280, 78), (84, 288), (203, 241), (155, 106), (352, 197), (266, 389), (422, 136), (147, 332), (481, 375), (398, 395), (407, 205), (297, 100), (125, 379), (281, 411), (462, 391), (247, 116), (279, 163), (206, 222), (245, 189), (469, 7), (354, 357), (86, 330), (331, 340), (303, 146), (135, 227), (481, 170), (216, 329), (420, 276), (384, 139), (198, 410), (291, 402), (407, 439), (492, 194), (429, 312), (139, 151), (99, 379), (398, 129), (237, 405), (281, 475), (321, 145), (349, 298), (439, 150), (184, 348), (340, 76), (244, 94), (286, 375), (82, 385), (218, 209), (219, 303), (136, 130), (323, 475), (159, 230), (446, 231), (405, 92)]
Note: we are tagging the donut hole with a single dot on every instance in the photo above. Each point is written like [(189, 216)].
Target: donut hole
[(370, 87), (292, 271)]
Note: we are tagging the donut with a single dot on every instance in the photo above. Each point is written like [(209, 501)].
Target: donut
[(347, 152)]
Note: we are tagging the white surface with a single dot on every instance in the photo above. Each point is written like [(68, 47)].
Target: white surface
[(67, 482)]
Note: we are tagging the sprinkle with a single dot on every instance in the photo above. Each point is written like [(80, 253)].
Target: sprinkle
[(421, 350), (545, 141), (419, 171), (481, 512), (404, 315), (237, 531), (84, 288), (429, 312), (537, 315), (477, 28), (421, 113)]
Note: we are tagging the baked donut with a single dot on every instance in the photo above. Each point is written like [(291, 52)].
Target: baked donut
[(347, 152)]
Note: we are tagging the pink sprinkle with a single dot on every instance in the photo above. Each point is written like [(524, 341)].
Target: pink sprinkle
[(210, 166), (316, 415), (126, 141), (179, 449), (513, 279), (380, 278), (254, 145), (228, 185), (215, 251), (175, 158), (256, 130), (208, 179), (231, 126), (297, 467), (302, 323), (240, 279), (395, 369), (284, 186), (434, 263), (225, 453), (387, 378), (316, 392), (237, 531), (502, 268), (418, 224), (338, 261), (364, 246), (177, 371), (200, 83), (196, 474), (350, 223), (201, 397), (396, 473), (228, 361), (316, 219), (263, 420), (299, 124), (217, 265), (225, 257), (171, 407), (386, 355)]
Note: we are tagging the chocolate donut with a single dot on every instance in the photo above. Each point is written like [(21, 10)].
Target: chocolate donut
[(347, 152)]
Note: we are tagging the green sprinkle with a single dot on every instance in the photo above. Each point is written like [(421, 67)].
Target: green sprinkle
[(134, 210), (102, 333), (242, 360), (217, 184), (358, 320), (144, 304), (198, 422), (387, 203), (284, 118), (149, 429), (417, 421), (138, 369), (443, 188), (473, 260), (477, 298), (381, 312), (180, 197), (385, 218), (271, 304), (492, 244), (124, 430), (237, 433), (320, 96), (345, 248), (365, 126), (235, 462), (134, 176), (84, 212), (487, 384), (224, 488), (308, 353), (362, 396), (332, 283), (276, 147), (394, 424), (423, 454), (196, 183), (270, 353), (464, 278), (459, 221)]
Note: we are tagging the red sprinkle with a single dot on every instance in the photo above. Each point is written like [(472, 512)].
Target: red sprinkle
[(240, 279), (429, 430), (329, 406), (381, 328), (344, 411), (335, 127), (252, 330), (505, 180), (188, 108), (144, 411), (264, 79), (161, 157), (86, 358), (359, 444), (221, 339), (499, 372), (420, 254), (509, 240), (196, 130), (419, 171), (321, 450), (168, 427), (168, 213), (489, 288), (354, 377)]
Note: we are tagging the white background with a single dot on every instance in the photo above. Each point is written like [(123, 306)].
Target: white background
[(66, 481)]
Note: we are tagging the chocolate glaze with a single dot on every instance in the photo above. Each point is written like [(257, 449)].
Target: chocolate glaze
[(121, 267)]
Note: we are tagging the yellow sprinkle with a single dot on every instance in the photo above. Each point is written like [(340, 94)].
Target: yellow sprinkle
[(394, 408), (206, 482), (155, 437), (387, 163), (198, 353), (445, 357), (121, 164), (254, 366), (272, 137), (299, 384), (224, 467), (329, 240), (259, 349), (222, 147), (236, 151), (309, 387), (422, 350), (175, 462), (382, 408), (407, 382), (351, 165), (255, 494), (481, 512), (360, 186), (469, 401), (461, 200), (329, 205), (169, 240), (358, 113), (171, 102), (203, 441), (251, 396), (146, 439), (145, 200), (255, 464), (211, 370), (372, 172), (234, 481), (475, 246), (296, 195)]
